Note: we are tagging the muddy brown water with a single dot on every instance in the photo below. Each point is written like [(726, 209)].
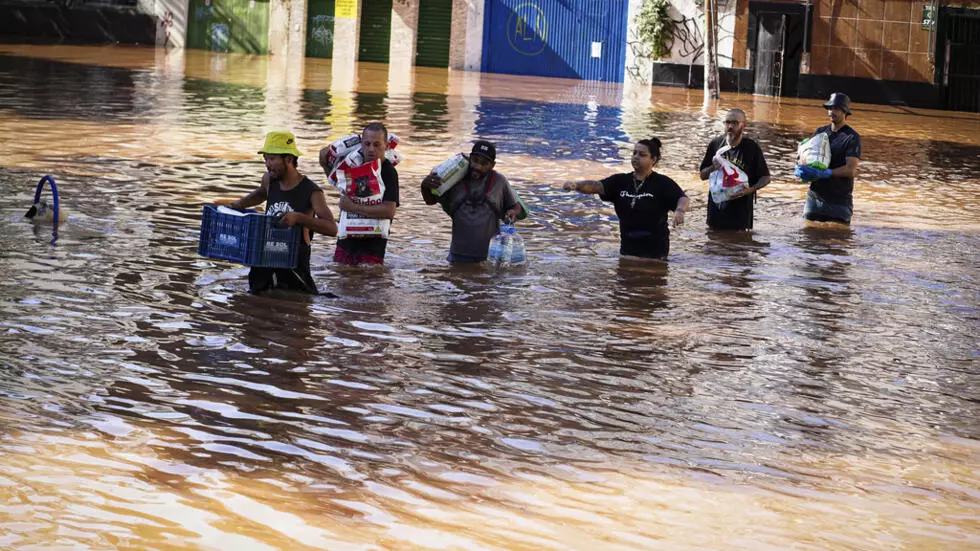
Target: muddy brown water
[(789, 388)]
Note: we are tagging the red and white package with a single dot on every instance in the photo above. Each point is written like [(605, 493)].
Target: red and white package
[(726, 181), (361, 182), (339, 149)]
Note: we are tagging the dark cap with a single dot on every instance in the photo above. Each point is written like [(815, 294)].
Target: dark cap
[(838, 99), (485, 149)]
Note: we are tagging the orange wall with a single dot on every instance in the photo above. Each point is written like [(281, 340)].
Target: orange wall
[(880, 39)]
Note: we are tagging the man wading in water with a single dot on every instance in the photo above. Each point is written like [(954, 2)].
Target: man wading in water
[(476, 204), (830, 197), (295, 198), (745, 153)]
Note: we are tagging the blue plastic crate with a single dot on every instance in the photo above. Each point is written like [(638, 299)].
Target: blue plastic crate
[(252, 239)]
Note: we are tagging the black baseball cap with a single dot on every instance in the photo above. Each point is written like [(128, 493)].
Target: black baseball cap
[(485, 148)]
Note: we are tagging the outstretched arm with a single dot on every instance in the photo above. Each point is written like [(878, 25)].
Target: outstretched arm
[(584, 186)]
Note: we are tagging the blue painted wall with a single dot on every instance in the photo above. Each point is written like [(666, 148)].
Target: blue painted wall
[(554, 38)]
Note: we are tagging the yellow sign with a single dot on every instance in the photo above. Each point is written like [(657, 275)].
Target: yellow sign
[(345, 9)]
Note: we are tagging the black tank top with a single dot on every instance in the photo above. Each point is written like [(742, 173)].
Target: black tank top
[(297, 199)]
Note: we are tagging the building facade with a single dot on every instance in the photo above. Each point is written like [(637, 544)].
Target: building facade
[(915, 52)]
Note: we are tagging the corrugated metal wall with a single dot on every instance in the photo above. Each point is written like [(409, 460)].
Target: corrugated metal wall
[(375, 33), (319, 28), (240, 26), (583, 39), (435, 23)]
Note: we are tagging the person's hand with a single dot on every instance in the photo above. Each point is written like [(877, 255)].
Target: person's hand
[(716, 163), (289, 219), (823, 174), (747, 191), (227, 203), (511, 215), (346, 203), (678, 218), (805, 173), (431, 182), (570, 186)]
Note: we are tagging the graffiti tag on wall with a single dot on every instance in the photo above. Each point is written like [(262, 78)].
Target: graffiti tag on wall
[(527, 29)]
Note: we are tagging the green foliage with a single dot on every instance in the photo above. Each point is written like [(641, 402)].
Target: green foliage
[(656, 28)]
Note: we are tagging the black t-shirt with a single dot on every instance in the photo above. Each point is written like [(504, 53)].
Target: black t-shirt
[(736, 214), (277, 203), (642, 210), (843, 144), (375, 246)]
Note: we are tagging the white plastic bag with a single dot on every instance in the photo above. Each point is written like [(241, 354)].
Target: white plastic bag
[(726, 181), (814, 152)]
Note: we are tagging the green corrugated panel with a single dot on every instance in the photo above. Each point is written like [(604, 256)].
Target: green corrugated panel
[(375, 33), (435, 24), (240, 26), (319, 28)]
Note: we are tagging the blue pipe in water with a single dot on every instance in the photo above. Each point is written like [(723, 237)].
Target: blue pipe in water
[(54, 195)]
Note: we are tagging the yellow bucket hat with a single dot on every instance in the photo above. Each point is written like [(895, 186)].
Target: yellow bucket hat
[(280, 143)]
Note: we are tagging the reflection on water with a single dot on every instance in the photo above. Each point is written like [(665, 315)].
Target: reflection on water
[(818, 385)]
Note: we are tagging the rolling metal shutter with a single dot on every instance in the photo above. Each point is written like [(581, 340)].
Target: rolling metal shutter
[(435, 24), (319, 28), (375, 33), (240, 26)]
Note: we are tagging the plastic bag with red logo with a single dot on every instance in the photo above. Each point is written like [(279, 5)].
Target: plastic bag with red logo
[(361, 182), (726, 181)]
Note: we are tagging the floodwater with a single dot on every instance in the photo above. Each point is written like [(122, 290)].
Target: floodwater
[(791, 388)]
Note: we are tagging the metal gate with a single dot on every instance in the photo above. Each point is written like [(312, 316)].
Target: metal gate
[(769, 53), (958, 58), (375, 33), (584, 39), (435, 24), (240, 26), (319, 28)]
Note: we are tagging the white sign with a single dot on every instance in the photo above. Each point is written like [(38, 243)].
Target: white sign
[(597, 49)]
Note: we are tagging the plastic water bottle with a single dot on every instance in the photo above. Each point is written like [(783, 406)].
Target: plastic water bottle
[(508, 239), (518, 255), (496, 251)]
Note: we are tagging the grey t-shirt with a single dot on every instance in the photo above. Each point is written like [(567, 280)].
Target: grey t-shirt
[(476, 211)]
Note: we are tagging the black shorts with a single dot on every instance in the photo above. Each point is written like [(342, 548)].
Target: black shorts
[(297, 279)]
